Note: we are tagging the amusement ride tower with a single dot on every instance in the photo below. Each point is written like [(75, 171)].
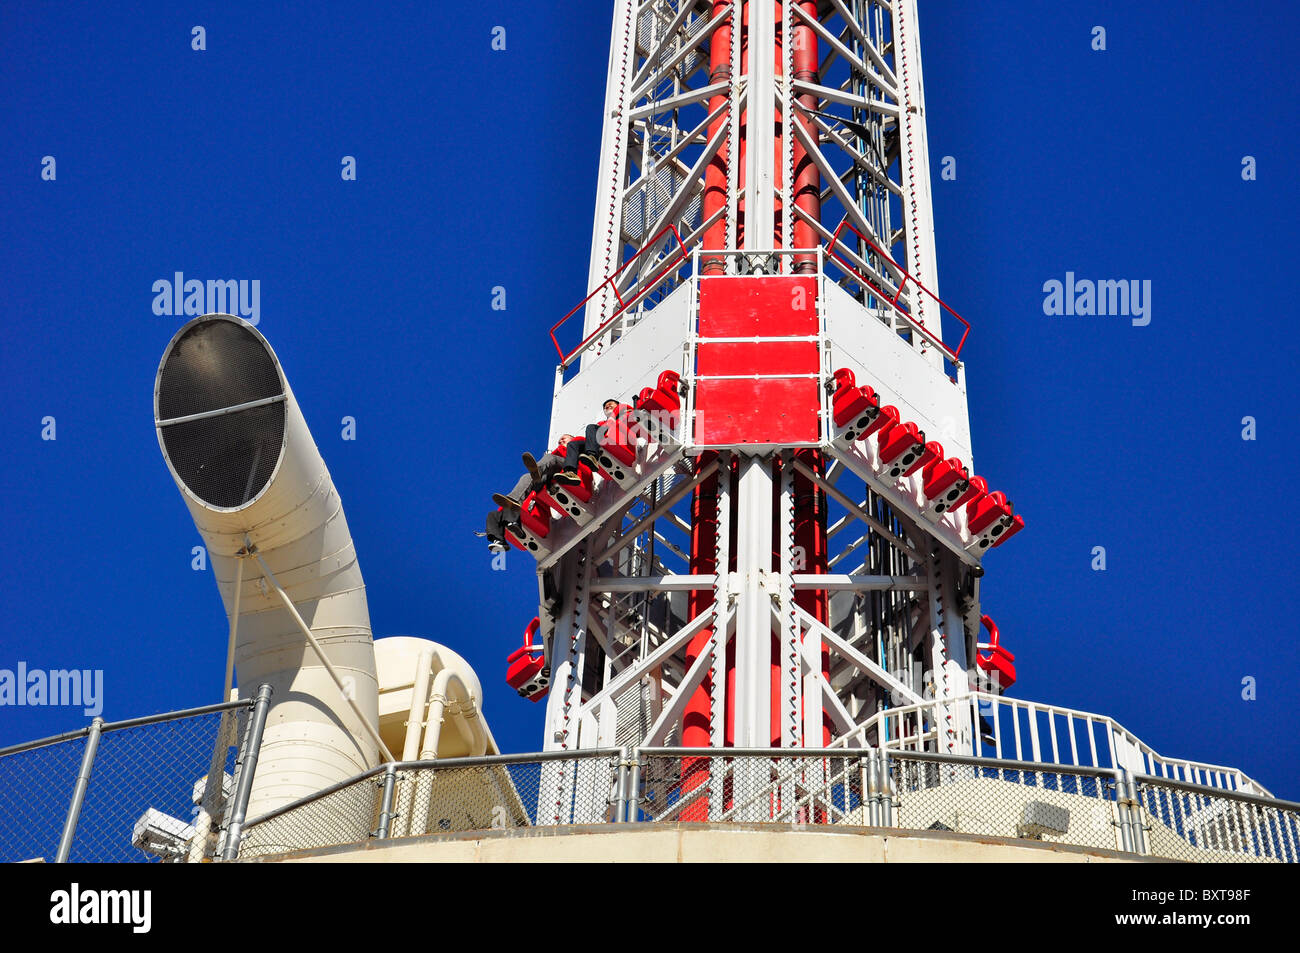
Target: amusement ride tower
[(786, 535)]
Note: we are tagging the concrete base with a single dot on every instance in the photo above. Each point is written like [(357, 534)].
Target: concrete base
[(710, 843)]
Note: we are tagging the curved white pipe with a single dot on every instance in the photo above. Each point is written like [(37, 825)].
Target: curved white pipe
[(218, 456), (448, 697), (469, 721)]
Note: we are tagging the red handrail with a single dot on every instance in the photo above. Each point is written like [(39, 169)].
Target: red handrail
[(830, 250), (622, 305)]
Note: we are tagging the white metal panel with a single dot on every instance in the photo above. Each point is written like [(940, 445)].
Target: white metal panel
[(655, 343), (898, 372)]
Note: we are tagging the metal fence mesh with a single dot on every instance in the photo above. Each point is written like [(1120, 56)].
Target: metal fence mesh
[(790, 789), (148, 781), (433, 799), (1053, 806), (35, 789), (346, 816), (1195, 826), (158, 769)]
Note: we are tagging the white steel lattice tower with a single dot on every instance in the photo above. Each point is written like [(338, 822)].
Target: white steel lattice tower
[(785, 536)]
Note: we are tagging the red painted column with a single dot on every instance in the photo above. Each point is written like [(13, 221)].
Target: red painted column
[(715, 176), (704, 561), (807, 180)]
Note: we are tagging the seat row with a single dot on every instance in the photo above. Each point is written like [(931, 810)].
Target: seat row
[(902, 451), (653, 418)]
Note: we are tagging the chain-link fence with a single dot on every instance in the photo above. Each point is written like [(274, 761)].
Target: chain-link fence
[(1095, 808), (36, 787), (1196, 823), (1056, 805), (121, 792), (789, 788), (412, 799), (169, 787)]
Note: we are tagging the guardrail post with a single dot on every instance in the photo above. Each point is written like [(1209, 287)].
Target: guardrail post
[(79, 791), (870, 770), (1122, 808), (886, 790), (386, 806), (1138, 832), (634, 787), (244, 772), (620, 785)]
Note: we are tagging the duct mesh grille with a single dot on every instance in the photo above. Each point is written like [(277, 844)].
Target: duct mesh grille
[(215, 364), (227, 459)]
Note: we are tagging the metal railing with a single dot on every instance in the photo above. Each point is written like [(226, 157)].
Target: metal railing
[(449, 796), (995, 726), (129, 790), (627, 298), (175, 786), (1081, 806)]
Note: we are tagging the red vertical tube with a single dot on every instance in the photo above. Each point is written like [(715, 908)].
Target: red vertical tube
[(810, 537), (715, 176), (807, 181), (704, 561)]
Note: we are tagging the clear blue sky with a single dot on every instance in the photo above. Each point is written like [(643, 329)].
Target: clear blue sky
[(477, 169)]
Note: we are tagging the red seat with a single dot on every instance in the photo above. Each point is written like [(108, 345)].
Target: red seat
[(852, 406), (987, 518), (885, 421), (943, 483), (571, 498), (932, 451), (983, 511), (900, 447), (657, 407), (534, 517), (665, 396), (1017, 524), (999, 663), (978, 488), (556, 506), (526, 673), (617, 450)]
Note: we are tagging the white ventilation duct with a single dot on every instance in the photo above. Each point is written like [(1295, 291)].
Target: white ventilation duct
[(240, 451)]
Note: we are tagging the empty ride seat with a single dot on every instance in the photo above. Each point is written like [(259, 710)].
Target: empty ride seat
[(987, 518), (931, 452), (885, 421), (943, 483), (1017, 524), (668, 390), (977, 488), (999, 663), (657, 407), (852, 406), (527, 673), (900, 447), (982, 512)]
